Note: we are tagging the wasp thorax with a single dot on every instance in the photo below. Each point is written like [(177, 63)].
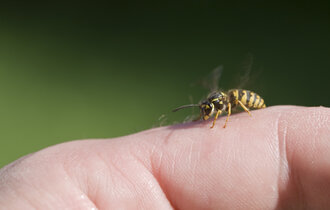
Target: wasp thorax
[(215, 95), (218, 100)]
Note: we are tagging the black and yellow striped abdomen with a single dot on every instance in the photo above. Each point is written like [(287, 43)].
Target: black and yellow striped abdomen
[(248, 98)]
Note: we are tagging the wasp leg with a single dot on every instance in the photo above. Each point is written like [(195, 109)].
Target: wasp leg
[(244, 107), (215, 118), (229, 113)]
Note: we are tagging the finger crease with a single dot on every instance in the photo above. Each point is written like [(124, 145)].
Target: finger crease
[(155, 178)]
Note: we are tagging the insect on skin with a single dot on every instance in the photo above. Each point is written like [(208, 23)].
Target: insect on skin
[(218, 102)]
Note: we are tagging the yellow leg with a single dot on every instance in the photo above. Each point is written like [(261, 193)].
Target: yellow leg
[(229, 113), (215, 118), (244, 107)]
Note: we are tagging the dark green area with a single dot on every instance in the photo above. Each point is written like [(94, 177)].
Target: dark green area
[(88, 70)]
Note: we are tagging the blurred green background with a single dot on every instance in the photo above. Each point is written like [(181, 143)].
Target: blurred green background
[(88, 70)]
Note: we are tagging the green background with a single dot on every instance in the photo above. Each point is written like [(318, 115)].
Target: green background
[(89, 70)]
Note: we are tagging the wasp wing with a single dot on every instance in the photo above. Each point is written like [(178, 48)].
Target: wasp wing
[(215, 78), (246, 67), (211, 81)]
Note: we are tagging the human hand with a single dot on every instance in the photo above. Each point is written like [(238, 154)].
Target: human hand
[(277, 159)]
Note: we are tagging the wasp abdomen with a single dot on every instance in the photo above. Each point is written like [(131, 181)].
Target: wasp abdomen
[(248, 98)]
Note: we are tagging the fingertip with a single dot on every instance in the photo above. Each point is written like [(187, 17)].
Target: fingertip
[(305, 170)]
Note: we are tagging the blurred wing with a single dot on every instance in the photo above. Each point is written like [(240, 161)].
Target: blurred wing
[(247, 68), (216, 75), (211, 81)]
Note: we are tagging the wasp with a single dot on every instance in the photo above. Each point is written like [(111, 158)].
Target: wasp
[(218, 102)]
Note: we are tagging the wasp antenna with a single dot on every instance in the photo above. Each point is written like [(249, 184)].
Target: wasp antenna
[(185, 106)]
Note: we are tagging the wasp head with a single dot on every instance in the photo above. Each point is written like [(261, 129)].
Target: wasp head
[(207, 109)]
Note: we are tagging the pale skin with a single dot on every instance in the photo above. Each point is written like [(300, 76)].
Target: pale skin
[(277, 159)]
